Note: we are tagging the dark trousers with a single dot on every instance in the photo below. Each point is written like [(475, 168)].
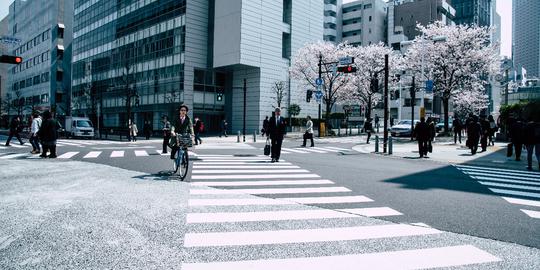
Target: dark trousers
[(473, 145), (457, 134), (530, 148), (483, 142), (276, 148), (198, 138), (35, 143), (16, 134), (368, 136), (422, 147), (49, 147), (308, 136), (517, 148), (166, 142), (147, 134)]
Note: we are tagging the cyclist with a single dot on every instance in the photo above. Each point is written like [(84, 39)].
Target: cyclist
[(182, 125)]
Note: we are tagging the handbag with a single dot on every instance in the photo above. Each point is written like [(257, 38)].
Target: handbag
[(267, 148), (509, 150), (430, 148)]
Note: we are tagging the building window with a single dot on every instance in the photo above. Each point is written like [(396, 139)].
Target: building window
[(36, 80), (286, 46), (367, 6), (287, 11), (45, 98), (370, 18)]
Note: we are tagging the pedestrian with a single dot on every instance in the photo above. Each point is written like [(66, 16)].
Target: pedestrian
[(34, 139), (223, 127), (377, 122), (474, 132), (516, 136), (166, 133), (277, 127), (391, 121), (48, 134), (182, 126), (492, 129), (422, 135), (486, 131), (15, 127), (432, 133), (309, 132), (198, 128), (456, 126), (147, 129), (368, 128), (265, 126), (532, 142), (132, 131)]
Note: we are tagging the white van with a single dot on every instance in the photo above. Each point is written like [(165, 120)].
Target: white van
[(79, 127)]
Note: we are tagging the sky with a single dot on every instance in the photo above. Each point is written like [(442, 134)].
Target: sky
[(504, 8)]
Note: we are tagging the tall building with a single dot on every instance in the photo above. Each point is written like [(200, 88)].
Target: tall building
[(477, 12), (332, 20), (364, 22), (150, 56), (44, 27), (526, 35)]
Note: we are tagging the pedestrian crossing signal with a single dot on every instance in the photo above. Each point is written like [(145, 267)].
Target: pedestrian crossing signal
[(309, 95), (346, 69), (219, 97), (10, 59)]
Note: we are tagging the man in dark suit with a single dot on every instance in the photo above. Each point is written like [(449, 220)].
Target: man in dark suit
[(277, 127)]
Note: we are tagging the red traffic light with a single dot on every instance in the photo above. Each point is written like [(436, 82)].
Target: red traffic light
[(10, 59), (346, 69)]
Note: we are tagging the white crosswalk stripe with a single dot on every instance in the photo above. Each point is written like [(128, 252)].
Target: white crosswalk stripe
[(521, 188), (260, 222), (68, 155), (311, 150), (93, 154), (14, 156), (115, 154), (141, 153)]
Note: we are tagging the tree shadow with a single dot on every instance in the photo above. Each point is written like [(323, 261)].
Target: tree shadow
[(159, 176)]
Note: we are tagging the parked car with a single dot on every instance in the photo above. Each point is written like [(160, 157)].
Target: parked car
[(440, 126), (402, 128)]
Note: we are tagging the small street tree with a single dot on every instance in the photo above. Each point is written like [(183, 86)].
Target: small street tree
[(461, 63), (294, 110), (305, 68), (279, 89)]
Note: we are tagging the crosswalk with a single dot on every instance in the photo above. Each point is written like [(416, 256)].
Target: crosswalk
[(521, 188), (88, 155), (313, 150), (229, 228), (62, 142)]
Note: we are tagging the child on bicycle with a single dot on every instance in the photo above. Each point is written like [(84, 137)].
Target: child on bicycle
[(182, 125)]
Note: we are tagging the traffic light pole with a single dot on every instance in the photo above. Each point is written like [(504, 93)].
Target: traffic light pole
[(413, 101), (245, 94), (385, 142), (320, 78)]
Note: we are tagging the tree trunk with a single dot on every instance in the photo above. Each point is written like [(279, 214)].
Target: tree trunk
[(368, 109), (445, 106)]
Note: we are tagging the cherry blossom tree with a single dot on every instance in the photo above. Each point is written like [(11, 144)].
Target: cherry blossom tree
[(472, 101), (461, 63), (336, 86)]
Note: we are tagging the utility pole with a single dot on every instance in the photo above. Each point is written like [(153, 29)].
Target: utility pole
[(320, 78), (385, 103), (506, 87), (413, 101), (245, 94)]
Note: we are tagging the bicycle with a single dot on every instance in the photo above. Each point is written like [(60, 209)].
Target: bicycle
[(181, 161)]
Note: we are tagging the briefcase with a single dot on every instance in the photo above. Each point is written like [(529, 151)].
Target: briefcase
[(509, 150), (267, 148)]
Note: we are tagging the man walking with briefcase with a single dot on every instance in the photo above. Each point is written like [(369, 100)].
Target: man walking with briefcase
[(277, 127)]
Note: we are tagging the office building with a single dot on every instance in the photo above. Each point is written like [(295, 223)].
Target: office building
[(526, 36), (364, 22), (332, 20)]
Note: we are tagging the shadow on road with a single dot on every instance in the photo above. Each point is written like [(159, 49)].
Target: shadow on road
[(159, 176)]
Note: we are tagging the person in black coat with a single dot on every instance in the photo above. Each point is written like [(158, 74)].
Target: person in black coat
[(456, 125), (147, 129), (48, 134), (277, 128), (422, 136), (15, 127), (516, 136), (484, 123), (474, 132), (532, 142)]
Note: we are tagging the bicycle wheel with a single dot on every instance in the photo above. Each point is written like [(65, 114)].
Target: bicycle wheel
[(177, 161), (184, 165)]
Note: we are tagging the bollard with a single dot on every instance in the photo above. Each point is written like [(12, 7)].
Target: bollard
[(238, 137), (358, 130), (390, 145), (339, 132), (254, 136), (376, 143)]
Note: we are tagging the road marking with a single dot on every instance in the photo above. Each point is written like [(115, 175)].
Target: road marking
[(506, 180), (513, 192), (117, 154), (14, 156), (264, 170), (303, 236), (295, 150), (254, 166), (403, 259), (328, 200), (267, 163), (373, 211), (93, 154), (68, 155), (69, 143), (313, 150), (495, 169), (522, 201), (17, 145), (162, 154), (326, 149), (494, 184), (502, 174), (262, 183), (269, 190), (141, 153), (234, 160), (265, 216), (531, 213), (239, 202), (253, 176), (338, 148), (123, 147)]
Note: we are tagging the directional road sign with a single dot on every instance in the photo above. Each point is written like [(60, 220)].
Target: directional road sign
[(343, 61), (318, 81)]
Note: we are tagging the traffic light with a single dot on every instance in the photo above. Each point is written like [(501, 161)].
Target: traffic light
[(346, 69), (219, 97), (10, 59), (309, 95), (374, 85)]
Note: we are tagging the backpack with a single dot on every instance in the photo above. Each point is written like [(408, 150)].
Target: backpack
[(201, 127)]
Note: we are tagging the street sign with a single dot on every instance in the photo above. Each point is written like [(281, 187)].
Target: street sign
[(318, 81), (318, 94), (9, 40), (429, 86), (343, 61)]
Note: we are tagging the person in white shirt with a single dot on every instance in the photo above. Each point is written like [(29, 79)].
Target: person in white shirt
[(34, 140), (309, 132)]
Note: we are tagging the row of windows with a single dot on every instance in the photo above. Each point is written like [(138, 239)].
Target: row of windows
[(34, 42), (42, 58), (29, 101), (151, 14), (43, 78), (366, 6)]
